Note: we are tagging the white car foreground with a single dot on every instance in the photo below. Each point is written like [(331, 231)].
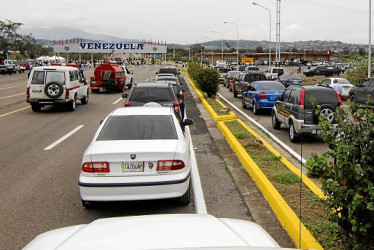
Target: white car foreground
[(138, 153), (169, 231)]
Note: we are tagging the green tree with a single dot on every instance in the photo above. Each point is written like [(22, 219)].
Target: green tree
[(8, 35), (348, 174), (362, 52), (259, 49), (207, 81)]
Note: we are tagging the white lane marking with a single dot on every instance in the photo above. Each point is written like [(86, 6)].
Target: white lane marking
[(63, 138), (282, 144), (200, 206), (10, 87), (117, 101)]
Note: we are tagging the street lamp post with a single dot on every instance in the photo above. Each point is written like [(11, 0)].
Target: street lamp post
[(269, 30), (369, 54), (222, 41), (237, 41)]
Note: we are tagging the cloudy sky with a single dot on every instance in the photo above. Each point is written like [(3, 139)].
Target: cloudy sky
[(192, 21)]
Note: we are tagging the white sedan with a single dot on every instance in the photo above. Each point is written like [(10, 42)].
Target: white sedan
[(341, 85), (169, 231), (138, 153)]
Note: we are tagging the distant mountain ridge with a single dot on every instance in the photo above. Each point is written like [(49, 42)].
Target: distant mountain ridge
[(62, 33), (47, 36)]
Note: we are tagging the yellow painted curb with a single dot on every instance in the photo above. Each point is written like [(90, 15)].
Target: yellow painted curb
[(210, 110), (285, 214), (313, 187)]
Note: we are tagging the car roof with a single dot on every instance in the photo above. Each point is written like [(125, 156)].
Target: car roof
[(142, 111), (152, 84), (57, 68)]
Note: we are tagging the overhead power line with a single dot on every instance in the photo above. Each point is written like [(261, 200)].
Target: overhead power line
[(325, 5)]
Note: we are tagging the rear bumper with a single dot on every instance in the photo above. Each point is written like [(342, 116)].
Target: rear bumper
[(313, 129), (99, 189), (47, 101)]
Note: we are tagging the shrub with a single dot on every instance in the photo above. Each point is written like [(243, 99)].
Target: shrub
[(349, 175), (208, 81), (193, 67)]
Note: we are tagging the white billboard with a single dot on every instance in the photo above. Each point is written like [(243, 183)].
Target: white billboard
[(109, 47)]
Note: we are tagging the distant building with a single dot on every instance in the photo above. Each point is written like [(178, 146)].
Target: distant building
[(261, 57)]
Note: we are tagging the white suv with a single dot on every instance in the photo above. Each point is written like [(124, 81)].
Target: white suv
[(58, 85)]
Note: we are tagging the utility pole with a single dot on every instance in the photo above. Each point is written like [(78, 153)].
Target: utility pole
[(277, 45)]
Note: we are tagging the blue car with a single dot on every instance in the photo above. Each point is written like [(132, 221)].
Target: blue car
[(261, 95)]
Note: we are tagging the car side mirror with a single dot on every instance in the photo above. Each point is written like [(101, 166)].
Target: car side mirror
[(187, 122), (125, 95)]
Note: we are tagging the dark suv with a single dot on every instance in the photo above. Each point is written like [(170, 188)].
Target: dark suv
[(147, 94), (363, 92), (295, 110), (245, 78)]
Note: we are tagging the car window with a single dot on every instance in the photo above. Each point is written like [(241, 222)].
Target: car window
[(327, 81), (38, 77), (294, 96), (168, 70), (342, 81), (322, 96), (151, 94), (272, 86), (286, 95), (55, 76), (366, 83), (136, 127)]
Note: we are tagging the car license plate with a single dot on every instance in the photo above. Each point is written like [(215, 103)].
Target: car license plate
[(133, 166)]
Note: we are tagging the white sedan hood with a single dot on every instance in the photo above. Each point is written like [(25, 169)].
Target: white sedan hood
[(156, 232)]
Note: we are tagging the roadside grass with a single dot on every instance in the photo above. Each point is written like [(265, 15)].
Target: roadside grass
[(289, 185), (217, 107)]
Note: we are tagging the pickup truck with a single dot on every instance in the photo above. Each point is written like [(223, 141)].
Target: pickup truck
[(274, 73)]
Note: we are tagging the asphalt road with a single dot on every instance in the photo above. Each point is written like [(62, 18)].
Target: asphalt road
[(39, 189)]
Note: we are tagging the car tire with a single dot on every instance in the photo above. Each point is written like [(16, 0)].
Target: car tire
[(85, 99), (87, 204), (72, 104), (294, 137), (353, 99), (274, 121), (53, 89), (243, 104), (35, 107), (254, 109), (327, 112), (186, 197)]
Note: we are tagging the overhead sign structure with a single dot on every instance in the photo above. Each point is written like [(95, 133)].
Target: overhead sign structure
[(109, 47)]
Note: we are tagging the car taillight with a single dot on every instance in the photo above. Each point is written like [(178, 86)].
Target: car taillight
[(127, 104), (262, 95), (168, 165), (302, 96), (28, 92), (340, 99), (67, 93), (176, 106), (96, 167)]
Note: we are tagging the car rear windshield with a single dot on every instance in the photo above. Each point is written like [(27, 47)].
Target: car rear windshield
[(138, 127), (223, 70), (254, 77), (151, 94), (51, 76), (322, 96), (272, 86), (168, 70)]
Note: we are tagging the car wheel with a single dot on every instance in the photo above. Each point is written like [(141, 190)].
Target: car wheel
[(235, 94), (36, 107), (353, 99), (87, 204), (95, 90), (243, 104), (294, 137), (274, 121), (85, 99), (72, 104), (328, 113), (53, 89), (186, 197), (254, 109)]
